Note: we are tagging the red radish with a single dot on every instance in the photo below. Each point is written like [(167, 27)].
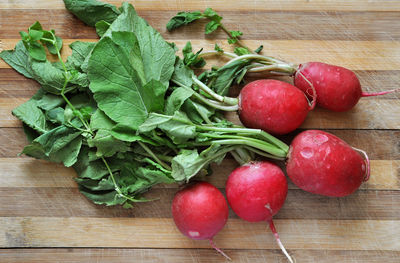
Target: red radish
[(321, 163), (256, 191), (337, 88), (200, 211), (273, 106)]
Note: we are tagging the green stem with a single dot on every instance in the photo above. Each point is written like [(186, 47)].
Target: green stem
[(116, 187), (264, 154), (150, 152), (214, 52), (237, 157), (258, 132), (238, 42), (209, 102), (205, 88), (264, 147), (162, 157)]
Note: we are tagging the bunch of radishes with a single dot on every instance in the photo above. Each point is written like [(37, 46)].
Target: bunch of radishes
[(317, 162)]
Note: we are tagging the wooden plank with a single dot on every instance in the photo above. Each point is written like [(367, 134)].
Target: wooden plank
[(355, 55), (379, 144), (125, 255), (368, 114), (29, 172), (68, 202), (271, 25), (237, 234), (257, 5)]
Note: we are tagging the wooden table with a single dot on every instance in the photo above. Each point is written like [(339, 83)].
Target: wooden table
[(44, 218)]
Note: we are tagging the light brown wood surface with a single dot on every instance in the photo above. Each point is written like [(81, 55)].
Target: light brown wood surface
[(44, 218)]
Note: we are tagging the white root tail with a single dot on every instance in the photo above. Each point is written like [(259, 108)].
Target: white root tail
[(278, 240), (219, 250)]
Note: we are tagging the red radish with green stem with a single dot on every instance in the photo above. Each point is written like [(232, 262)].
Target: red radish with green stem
[(321, 163), (270, 105), (256, 192), (336, 88), (200, 211)]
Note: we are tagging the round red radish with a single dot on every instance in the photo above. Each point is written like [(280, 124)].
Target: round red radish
[(337, 88), (256, 191), (200, 211), (321, 163), (273, 106)]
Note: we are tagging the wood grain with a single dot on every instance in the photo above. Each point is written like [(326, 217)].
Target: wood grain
[(28, 172), (257, 5), (50, 202), (237, 234), (273, 25), (355, 55), (120, 255)]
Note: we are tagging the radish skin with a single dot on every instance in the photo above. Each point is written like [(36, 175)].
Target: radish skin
[(321, 163), (200, 211), (256, 192), (273, 106), (337, 88)]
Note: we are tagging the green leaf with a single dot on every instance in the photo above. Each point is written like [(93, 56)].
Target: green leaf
[(80, 51), (186, 165), (127, 134), (92, 11), (35, 35), (18, 59), (182, 74), (24, 36), (235, 33), (157, 55), (240, 51), (210, 13), (177, 127), (32, 115), (37, 51), (102, 27), (119, 90), (106, 144), (212, 26), (103, 198), (56, 115), (195, 111), (226, 76), (50, 77), (218, 48), (36, 26), (61, 144), (47, 101), (190, 59), (183, 18), (176, 100), (100, 120), (52, 48), (35, 150)]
